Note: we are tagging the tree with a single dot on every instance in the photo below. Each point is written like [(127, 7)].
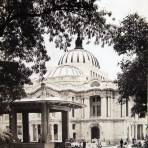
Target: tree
[(131, 39), (23, 23)]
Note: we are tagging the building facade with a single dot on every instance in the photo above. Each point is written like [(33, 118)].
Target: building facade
[(78, 78)]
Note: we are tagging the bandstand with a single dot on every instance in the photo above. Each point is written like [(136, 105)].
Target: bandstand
[(43, 105)]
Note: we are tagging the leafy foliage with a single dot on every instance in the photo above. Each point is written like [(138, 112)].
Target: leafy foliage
[(12, 79), (23, 23), (6, 138), (132, 39)]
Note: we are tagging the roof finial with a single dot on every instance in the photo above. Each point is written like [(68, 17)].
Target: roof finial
[(78, 42)]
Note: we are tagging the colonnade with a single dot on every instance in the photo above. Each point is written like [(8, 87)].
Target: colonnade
[(45, 132)]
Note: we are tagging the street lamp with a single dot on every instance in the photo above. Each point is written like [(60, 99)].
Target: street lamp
[(147, 112)]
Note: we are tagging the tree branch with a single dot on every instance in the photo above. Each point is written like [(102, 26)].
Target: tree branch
[(4, 25)]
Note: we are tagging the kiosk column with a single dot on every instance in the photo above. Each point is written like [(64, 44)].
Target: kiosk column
[(13, 122), (44, 123), (65, 125), (25, 121)]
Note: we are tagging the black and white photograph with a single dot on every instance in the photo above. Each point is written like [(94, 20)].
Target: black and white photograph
[(73, 73)]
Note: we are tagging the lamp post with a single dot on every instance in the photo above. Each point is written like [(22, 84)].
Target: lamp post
[(0, 94), (147, 113)]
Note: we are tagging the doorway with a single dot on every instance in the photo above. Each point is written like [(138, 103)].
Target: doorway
[(95, 132)]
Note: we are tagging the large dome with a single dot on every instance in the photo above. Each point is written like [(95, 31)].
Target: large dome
[(66, 70), (79, 56)]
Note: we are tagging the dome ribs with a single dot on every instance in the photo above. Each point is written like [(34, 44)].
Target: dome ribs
[(79, 56)]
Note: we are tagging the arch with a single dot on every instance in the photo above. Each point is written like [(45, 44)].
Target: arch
[(95, 132)]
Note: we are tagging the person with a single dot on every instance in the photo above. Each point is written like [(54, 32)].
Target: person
[(121, 143), (139, 144), (84, 144), (99, 143)]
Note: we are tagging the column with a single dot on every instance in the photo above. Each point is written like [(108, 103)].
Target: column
[(136, 131), (44, 123), (13, 123), (25, 122), (51, 132), (111, 99), (59, 132), (103, 107), (65, 125), (144, 130)]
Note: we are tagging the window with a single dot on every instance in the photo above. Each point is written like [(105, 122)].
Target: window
[(73, 126), (95, 106), (83, 101), (72, 59), (83, 59), (77, 58), (93, 74), (66, 59), (72, 99), (88, 57)]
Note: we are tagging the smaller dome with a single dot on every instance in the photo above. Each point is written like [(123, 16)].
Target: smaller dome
[(65, 70)]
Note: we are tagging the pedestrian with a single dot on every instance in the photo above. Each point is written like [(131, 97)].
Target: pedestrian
[(84, 144), (121, 143)]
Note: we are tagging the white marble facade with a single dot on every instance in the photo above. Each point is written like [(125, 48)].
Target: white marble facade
[(78, 77)]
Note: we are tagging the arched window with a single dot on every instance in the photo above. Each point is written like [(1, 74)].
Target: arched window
[(83, 59), (72, 58), (93, 74), (95, 106), (78, 58), (66, 59)]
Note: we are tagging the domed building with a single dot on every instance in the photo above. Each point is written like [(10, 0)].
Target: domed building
[(78, 78)]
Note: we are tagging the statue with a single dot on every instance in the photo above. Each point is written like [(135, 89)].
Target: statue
[(78, 42)]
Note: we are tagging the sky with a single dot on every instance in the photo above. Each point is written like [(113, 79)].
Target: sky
[(106, 56)]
